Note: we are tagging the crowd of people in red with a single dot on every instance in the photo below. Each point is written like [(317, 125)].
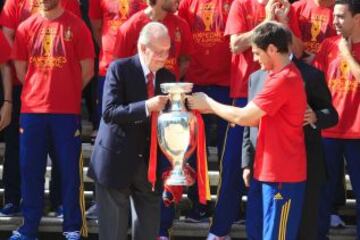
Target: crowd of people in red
[(280, 79)]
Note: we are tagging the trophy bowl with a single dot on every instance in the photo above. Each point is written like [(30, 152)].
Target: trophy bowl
[(177, 131)]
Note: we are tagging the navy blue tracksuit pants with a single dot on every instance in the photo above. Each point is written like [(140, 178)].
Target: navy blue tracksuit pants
[(336, 150), (231, 186), (37, 133)]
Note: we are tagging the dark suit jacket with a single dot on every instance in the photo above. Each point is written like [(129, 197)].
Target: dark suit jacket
[(123, 139), (319, 99)]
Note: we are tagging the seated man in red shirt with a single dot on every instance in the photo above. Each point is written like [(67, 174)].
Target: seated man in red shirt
[(280, 163)]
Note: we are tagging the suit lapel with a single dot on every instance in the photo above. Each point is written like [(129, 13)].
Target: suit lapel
[(140, 76)]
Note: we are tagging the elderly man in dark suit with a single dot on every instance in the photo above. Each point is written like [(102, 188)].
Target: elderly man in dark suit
[(319, 115), (119, 162)]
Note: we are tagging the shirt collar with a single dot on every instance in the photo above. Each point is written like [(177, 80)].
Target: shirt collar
[(145, 68)]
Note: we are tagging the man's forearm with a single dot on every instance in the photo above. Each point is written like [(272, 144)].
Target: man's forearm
[(96, 26), (87, 71), (21, 68), (239, 116), (240, 42), (6, 79)]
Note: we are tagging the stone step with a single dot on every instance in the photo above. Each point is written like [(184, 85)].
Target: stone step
[(349, 209), (180, 228), (88, 147), (213, 175)]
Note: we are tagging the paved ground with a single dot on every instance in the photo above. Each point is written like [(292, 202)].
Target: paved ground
[(52, 236)]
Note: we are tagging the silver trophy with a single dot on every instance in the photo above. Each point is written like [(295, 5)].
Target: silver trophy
[(177, 131)]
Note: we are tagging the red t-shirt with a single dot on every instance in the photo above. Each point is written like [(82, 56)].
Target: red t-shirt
[(344, 88), (244, 16), (181, 42), (53, 50), (5, 49), (315, 22), (280, 150), (113, 14), (16, 11), (210, 63)]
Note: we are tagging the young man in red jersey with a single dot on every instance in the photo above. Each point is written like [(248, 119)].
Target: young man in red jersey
[(339, 59), (13, 13), (280, 164), (53, 54)]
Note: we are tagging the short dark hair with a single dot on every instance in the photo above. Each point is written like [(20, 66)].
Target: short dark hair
[(272, 33), (151, 2), (354, 5)]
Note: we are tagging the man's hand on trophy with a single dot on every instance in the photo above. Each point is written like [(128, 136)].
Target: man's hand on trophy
[(200, 101), (157, 103)]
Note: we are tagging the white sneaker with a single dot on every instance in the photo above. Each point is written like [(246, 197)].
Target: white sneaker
[(162, 238), (91, 213), (214, 237), (72, 235), (336, 221)]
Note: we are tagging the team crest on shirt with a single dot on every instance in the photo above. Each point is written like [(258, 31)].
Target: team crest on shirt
[(68, 34), (226, 8), (177, 35)]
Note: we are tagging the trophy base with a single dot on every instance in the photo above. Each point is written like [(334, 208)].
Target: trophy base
[(176, 181)]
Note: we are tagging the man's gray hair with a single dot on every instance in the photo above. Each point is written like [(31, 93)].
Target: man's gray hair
[(152, 30)]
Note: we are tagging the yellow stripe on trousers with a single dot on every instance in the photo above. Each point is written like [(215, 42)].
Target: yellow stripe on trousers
[(84, 228), (284, 220)]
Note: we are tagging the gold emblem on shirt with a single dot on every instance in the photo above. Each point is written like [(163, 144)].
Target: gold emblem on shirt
[(316, 24), (47, 43), (45, 54), (207, 12), (123, 9), (344, 82)]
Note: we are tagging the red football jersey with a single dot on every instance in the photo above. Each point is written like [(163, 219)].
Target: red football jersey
[(17, 11), (53, 50), (112, 14), (315, 23), (210, 63), (280, 150), (344, 88)]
